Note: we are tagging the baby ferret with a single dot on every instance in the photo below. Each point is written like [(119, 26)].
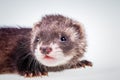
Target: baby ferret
[(55, 43)]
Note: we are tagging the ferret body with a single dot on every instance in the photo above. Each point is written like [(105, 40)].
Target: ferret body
[(54, 44), (9, 41)]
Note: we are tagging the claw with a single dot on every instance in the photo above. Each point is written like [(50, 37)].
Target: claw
[(30, 75), (90, 64), (39, 74), (25, 75), (83, 65), (45, 73)]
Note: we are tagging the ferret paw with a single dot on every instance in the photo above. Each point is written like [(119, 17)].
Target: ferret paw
[(83, 64), (30, 74)]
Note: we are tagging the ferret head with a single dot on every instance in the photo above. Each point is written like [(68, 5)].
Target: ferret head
[(56, 40)]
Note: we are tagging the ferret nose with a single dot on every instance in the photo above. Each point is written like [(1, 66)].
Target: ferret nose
[(45, 50)]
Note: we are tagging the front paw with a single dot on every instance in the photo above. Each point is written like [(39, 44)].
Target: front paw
[(34, 74), (40, 74), (82, 63), (85, 63)]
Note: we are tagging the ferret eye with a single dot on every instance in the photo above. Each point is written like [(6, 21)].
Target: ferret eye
[(63, 39), (37, 39)]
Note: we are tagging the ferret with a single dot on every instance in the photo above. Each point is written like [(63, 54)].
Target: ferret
[(55, 43)]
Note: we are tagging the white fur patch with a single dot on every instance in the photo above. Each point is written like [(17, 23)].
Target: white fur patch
[(56, 53)]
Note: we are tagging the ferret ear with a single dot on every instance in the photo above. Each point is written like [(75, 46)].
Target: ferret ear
[(37, 25), (80, 28)]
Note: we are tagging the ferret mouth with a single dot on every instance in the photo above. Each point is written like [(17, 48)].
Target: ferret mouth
[(48, 57)]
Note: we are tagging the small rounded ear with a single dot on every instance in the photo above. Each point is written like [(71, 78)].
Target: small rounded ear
[(35, 28), (36, 25), (79, 27), (82, 36)]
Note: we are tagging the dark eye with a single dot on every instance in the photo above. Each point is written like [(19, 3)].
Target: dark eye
[(37, 39), (63, 38)]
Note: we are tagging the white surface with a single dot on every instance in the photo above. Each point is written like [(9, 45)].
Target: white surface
[(102, 22)]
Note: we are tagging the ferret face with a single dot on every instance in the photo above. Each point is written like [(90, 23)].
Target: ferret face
[(55, 41)]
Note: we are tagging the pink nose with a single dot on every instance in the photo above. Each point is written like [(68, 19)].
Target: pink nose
[(45, 50)]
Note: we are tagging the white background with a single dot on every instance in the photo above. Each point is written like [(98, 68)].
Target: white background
[(101, 19)]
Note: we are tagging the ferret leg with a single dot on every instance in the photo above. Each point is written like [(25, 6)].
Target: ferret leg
[(34, 72), (29, 67)]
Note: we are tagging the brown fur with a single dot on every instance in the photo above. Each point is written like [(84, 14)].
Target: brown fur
[(8, 41)]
